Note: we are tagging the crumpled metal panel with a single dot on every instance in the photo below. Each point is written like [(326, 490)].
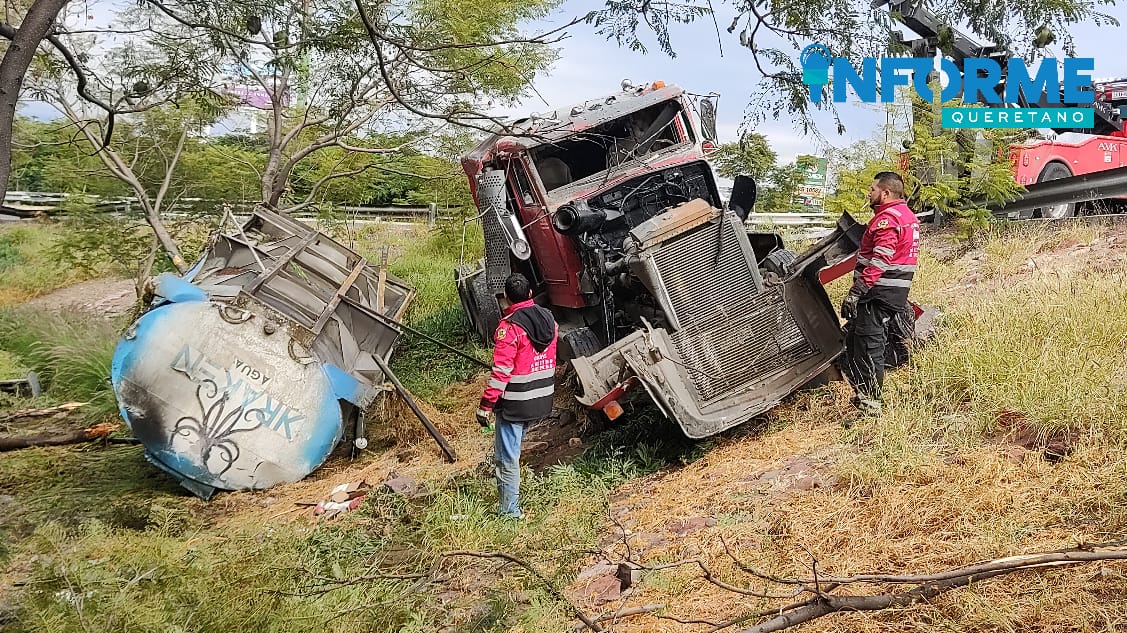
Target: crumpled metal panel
[(759, 336), (719, 371), (697, 262)]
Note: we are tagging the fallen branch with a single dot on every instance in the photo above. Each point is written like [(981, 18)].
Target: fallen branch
[(586, 619), (40, 413), (97, 432), (823, 601), (929, 585), (623, 613)]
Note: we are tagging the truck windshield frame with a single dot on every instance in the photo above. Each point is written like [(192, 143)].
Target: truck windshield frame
[(610, 145)]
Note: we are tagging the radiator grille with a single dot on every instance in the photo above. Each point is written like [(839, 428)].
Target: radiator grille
[(758, 337), (698, 285)]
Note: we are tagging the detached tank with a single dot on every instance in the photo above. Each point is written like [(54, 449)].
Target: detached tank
[(245, 372)]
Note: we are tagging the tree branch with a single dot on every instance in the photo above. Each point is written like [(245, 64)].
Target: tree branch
[(170, 166), (586, 619)]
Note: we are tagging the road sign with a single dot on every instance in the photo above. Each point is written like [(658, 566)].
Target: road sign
[(811, 192)]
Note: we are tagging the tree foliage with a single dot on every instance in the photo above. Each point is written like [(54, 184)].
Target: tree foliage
[(949, 171), (776, 185), (355, 97), (751, 156), (774, 31)]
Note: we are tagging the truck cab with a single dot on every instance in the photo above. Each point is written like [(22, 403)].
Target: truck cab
[(611, 209)]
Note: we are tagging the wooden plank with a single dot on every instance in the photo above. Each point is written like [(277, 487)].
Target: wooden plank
[(381, 284), (343, 290)]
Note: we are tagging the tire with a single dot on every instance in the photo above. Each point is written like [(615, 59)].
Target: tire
[(578, 343), (780, 262), (1056, 171), (478, 304)]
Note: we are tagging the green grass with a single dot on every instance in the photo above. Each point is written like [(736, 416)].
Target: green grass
[(428, 263), (111, 544), (28, 267), (10, 366), (165, 572), (118, 547), (1051, 346), (71, 354)]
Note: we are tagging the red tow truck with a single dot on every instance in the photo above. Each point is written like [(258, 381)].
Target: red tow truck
[(1044, 160), (1100, 149)]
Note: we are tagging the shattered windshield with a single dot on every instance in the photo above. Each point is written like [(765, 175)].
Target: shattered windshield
[(608, 145)]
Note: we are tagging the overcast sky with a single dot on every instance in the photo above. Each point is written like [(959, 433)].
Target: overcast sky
[(590, 66)]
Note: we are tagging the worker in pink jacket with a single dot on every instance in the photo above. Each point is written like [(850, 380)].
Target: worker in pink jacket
[(521, 385), (886, 265)]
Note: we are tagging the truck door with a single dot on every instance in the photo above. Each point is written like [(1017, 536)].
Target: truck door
[(554, 254)]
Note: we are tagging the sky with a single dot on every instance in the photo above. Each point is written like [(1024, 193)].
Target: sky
[(589, 65)]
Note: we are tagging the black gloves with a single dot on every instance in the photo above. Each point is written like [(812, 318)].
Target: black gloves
[(849, 305), (482, 417)]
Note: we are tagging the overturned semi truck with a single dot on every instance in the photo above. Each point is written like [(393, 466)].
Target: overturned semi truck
[(246, 372), (612, 210)]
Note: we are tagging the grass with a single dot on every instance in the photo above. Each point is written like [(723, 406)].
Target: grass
[(930, 486), (106, 543), (1008, 247), (10, 366), (71, 354), (28, 267), (170, 572), (427, 261), (114, 545)]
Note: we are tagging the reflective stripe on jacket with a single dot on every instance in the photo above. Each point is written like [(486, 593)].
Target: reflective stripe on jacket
[(889, 253), (522, 382)]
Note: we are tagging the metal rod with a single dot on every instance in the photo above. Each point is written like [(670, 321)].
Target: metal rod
[(432, 340), (239, 227), (447, 450)]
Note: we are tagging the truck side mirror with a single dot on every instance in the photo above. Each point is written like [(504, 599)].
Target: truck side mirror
[(743, 196), (708, 118)]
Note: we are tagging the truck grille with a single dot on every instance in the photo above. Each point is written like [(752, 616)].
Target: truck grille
[(698, 285), (753, 340)]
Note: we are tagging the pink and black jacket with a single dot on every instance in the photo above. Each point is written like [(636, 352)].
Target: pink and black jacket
[(889, 252), (522, 383)]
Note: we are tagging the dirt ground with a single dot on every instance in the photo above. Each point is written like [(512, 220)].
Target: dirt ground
[(108, 298), (785, 484)]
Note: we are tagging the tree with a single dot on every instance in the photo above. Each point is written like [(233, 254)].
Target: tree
[(776, 185), (780, 187), (751, 156), (343, 88), (945, 173), (23, 41)]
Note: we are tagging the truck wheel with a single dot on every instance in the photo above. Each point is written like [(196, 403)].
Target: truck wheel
[(1056, 171), (780, 262), (578, 343), (478, 304)]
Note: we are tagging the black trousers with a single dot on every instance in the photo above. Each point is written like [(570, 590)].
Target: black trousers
[(877, 337)]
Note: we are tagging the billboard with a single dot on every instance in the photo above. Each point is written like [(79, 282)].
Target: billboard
[(811, 191)]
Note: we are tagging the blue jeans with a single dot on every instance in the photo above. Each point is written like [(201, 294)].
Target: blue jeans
[(506, 457)]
